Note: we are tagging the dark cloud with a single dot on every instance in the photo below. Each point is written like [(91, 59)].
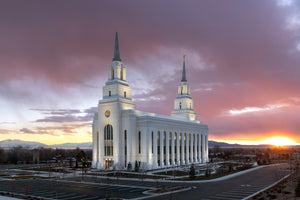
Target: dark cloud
[(7, 122), (240, 54), (66, 129), (57, 111), (27, 130), (66, 115)]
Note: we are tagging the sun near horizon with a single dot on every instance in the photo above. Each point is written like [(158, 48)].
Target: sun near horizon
[(276, 140)]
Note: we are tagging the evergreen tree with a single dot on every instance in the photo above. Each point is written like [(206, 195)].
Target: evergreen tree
[(136, 167), (192, 172)]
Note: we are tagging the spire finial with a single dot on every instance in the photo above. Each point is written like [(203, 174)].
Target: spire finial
[(183, 70), (116, 51)]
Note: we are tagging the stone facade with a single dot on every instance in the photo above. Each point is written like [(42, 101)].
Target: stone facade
[(123, 135)]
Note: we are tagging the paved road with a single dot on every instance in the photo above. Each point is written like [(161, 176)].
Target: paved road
[(97, 188), (237, 187)]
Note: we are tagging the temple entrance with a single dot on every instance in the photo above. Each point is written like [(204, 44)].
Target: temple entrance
[(108, 162)]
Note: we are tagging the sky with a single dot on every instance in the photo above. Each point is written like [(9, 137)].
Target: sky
[(242, 64)]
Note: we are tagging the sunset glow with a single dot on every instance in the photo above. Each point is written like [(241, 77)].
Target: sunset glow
[(279, 141)]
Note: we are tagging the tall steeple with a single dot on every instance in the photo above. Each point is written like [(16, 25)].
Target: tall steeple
[(116, 85), (184, 105), (116, 51), (183, 71)]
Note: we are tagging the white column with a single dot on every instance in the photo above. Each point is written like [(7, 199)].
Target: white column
[(101, 149), (182, 161), (196, 152), (192, 147), (161, 148), (200, 151), (154, 158), (198, 143), (177, 149), (173, 149), (202, 147), (167, 149), (206, 147), (187, 148)]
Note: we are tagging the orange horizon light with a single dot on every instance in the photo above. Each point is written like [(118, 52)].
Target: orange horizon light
[(279, 141)]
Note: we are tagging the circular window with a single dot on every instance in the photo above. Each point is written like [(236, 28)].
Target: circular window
[(107, 113)]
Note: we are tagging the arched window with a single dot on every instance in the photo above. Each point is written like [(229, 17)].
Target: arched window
[(125, 94), (180, 105), (109, 93), (121, 73), (108, 140), (181, 90), (190, 106)]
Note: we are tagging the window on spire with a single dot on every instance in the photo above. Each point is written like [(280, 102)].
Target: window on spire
[(109, 93), (125, 94), (181, 90), (180, 105), (121, 73), (112, 74), (190, 106)]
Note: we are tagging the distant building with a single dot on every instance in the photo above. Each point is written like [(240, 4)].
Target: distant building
[(123, 135)]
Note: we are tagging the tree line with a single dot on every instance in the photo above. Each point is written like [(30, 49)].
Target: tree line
[(19, 154)]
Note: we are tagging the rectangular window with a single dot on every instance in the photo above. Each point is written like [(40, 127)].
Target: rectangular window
[(170, 143), (139, 141), (158, 148), (152, 141), (175, 144), (164, 142), (201, 149), (125, 146)]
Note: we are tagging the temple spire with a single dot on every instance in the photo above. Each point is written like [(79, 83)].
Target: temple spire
[(116, 51), (183, 71)]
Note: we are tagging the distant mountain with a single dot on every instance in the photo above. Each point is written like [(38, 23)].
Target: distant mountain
[(16, 143), (212, 144), (28, 144), (86, 145)]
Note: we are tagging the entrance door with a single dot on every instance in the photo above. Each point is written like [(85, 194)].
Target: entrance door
[(108, 162)]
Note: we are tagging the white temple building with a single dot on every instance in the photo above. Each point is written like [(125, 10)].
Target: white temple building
[(123, 135)]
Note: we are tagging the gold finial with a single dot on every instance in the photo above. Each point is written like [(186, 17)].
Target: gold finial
[(184, 57), (116, 30)]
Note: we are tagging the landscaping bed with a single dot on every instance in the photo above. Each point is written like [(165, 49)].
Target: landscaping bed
[(173, 173)]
